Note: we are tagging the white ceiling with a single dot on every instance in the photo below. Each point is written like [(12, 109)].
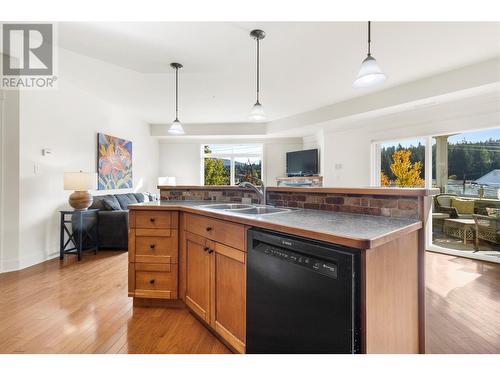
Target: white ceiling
[(304, 65)]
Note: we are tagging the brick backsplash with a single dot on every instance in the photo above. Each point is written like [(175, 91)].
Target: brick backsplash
[(379, 205), (209, 195), (393, 206)]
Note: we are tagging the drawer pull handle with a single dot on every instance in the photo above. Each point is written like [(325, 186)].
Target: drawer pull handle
[(206, 249), (152, 281), (210, 251), (152, 246), (152, 219), (209, 229)]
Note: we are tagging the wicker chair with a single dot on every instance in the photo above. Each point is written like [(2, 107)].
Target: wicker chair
[(487, 229), (442, 204)]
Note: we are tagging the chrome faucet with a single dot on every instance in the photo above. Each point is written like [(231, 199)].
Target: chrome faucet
[(260, 191)]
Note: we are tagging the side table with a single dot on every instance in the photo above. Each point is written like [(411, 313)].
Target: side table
[(76, 227)]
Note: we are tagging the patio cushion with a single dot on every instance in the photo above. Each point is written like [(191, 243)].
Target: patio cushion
[(444, 200), (463, 206), (494, 212)]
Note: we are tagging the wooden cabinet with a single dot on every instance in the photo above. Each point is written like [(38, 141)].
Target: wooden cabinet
[(198, 276), (211, 267), (229, 295), (153, 254), (154, 280), (225, 232), (215, 269)]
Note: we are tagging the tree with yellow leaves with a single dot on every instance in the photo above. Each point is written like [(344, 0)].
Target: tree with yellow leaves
[(384, 180), (407, 173)]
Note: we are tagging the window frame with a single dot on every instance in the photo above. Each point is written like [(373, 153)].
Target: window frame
[(232, 157)]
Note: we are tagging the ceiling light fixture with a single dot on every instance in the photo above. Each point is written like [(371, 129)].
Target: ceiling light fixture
[(257, 112), (176, 127), (370, 73)]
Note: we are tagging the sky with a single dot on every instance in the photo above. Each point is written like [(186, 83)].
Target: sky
[(470, 137)]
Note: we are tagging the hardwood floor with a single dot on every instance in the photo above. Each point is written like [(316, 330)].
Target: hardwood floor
[(83, 307), (462, 305)]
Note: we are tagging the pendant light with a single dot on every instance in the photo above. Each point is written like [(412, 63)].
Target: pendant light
[(370, 73), (176, 127), (257, 112)]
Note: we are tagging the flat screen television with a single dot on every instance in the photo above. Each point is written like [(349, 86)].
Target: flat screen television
[(302, 163)]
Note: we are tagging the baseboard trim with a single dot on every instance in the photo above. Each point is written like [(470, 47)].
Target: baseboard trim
[(20, 264)]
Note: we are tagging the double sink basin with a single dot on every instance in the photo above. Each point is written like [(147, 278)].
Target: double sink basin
[(245, 209)]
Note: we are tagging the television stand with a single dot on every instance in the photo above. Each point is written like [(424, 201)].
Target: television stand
[(300, 181)]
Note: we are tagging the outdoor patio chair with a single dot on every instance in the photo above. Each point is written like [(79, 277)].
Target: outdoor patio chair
[(487, 229), (442, 204)]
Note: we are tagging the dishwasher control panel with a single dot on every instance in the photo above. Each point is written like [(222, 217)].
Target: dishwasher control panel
[(325, 268)]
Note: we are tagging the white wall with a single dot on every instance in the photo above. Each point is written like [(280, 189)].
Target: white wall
[(9, 180), (182, 158), (352, 148), (275, 158), (67, 120), (182, 161)]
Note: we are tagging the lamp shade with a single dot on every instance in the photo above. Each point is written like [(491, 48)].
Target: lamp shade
[(80, 181), (370, 74), (257, 113), (176, 128)]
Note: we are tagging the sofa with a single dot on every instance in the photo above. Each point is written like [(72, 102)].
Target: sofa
[(113, 218)]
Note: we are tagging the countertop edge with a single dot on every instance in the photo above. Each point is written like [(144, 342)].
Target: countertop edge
[(390, 191), (359, 243)]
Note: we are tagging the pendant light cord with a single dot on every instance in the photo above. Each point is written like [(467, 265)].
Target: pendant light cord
[(258, 60), (176, 93), (369, 37)]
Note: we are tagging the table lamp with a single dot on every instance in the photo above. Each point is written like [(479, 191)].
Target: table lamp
[(80, 182)]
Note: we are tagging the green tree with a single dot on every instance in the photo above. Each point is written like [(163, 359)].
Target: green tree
[(215, 172)]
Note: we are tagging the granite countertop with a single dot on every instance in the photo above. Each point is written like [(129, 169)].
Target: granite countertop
[(356, 230)]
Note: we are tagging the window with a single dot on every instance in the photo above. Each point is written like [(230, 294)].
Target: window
[(402, 163), (228, 164), (466, 216)]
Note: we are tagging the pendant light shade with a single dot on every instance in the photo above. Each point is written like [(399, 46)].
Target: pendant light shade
[(257, 112), (176, 126), (370, 73)]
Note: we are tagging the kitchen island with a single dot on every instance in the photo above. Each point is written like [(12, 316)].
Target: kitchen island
[(184, 251)]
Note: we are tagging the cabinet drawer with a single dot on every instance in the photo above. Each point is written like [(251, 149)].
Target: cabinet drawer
[(230, 234), (155, 280), (157, 249), (155, 219)]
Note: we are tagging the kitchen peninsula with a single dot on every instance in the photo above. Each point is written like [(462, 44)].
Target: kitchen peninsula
[(192, 247)]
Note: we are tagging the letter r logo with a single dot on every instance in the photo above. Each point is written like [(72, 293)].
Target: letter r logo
[(27, 49)]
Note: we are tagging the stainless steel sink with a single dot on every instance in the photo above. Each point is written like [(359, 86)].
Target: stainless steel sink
[(227, 206), (261, 210), (244, 209)]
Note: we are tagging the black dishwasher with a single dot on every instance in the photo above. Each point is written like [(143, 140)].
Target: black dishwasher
[(303, 296)]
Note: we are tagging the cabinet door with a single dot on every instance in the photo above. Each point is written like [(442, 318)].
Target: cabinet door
[(229, 295), (198, 276)]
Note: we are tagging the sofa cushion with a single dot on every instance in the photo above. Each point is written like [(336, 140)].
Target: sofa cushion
[(141, 197), (463, 206), (98, 202), (126, 199), (111, 204)]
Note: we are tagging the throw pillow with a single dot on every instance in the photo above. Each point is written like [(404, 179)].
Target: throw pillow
[(494, 212), (463, 206), (111, 204), (125, 200)]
